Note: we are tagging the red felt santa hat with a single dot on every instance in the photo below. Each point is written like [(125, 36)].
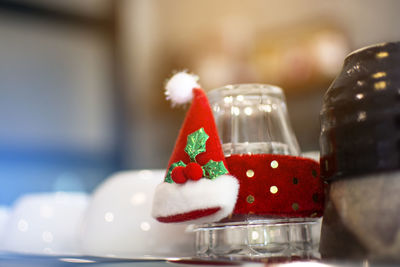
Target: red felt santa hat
[(197, 186)]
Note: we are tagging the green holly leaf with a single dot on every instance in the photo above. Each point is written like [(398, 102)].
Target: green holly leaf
[(168, 177), (196, 143), (213, 169)]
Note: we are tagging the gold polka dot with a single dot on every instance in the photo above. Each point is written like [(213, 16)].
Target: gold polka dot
[(273, 189), (295, 206), (274, 164), (250, 199), (313, 215), (250, 173)]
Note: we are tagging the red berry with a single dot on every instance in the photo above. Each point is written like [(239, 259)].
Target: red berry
[(193, 171), (178, 175)]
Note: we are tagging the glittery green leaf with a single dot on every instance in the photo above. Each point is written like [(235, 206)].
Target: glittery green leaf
[(213, 169), (196, 143), (168, 177)]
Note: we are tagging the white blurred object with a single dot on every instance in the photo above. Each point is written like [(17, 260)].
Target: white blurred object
[(118, 221), (4, 215), (314, 154), (329, 48), (46, 223)]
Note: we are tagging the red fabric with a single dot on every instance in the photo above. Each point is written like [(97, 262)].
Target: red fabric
[(192, 215), (297, 180), (178, 175), (198, 116), (193, 171)]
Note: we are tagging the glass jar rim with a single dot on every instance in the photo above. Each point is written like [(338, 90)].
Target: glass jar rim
[(246, 89)]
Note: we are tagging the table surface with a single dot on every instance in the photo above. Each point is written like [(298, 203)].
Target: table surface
[(17, 260)]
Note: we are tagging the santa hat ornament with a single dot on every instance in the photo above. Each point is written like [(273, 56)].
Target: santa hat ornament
[(197, 187)]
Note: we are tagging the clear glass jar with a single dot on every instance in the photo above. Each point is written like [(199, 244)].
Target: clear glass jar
[(252, 119)]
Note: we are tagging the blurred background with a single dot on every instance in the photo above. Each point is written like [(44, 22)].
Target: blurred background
[(81, 82)]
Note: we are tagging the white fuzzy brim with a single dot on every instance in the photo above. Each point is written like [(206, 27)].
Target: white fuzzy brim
[(172, 199)]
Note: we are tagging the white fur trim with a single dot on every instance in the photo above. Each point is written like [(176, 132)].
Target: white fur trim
[(173, 199), (180, 87)]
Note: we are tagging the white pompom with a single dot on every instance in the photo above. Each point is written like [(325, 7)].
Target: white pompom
[(180, 87)]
